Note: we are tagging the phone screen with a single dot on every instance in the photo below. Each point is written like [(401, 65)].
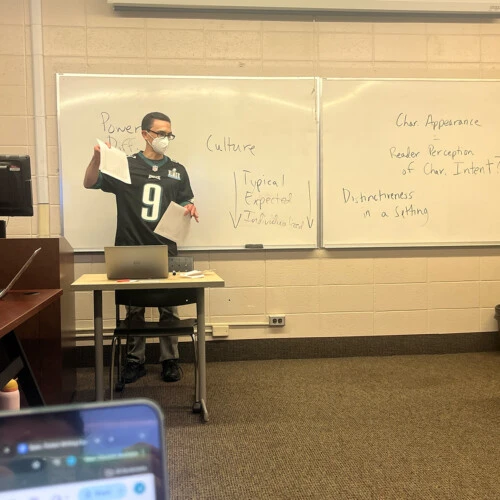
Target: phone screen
[(106, 451)]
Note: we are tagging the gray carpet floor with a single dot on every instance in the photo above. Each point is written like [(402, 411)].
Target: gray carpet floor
[(399, 427)]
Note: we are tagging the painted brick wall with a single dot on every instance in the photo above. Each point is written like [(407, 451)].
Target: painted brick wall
[(322, 293)]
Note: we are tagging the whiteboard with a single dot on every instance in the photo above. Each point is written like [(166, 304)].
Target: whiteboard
[(250, 147), (410, 162)]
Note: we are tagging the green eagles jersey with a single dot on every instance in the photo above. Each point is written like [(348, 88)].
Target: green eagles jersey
[(141, 204)]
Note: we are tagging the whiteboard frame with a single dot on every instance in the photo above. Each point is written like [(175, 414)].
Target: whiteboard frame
[(319, 110), (320, 243), (361, 246), (316, 82)]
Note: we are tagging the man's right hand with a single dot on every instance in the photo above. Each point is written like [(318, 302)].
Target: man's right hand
[(97, 151), (92, 172)]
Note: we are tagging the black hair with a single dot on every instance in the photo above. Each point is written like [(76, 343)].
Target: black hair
[(147, 121)]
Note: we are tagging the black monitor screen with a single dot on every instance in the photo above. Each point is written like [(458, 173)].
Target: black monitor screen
[(15, 186)]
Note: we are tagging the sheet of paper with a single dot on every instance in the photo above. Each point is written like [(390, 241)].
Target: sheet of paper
[(174, 225), (193, 274), (114, 163)]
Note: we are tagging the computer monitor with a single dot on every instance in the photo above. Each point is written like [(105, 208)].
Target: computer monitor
[(16, 198)]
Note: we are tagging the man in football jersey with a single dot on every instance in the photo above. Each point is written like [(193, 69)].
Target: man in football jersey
[(156, 180)]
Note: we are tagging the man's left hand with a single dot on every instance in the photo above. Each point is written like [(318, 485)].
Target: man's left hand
[(191, 210)]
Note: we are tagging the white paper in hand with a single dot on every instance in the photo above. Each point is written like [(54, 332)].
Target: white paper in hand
[(174, 224), (114, 163)]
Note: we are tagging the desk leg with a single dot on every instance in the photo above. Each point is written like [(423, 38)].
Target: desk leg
[(200, 313), (98, 344), (19, 366)]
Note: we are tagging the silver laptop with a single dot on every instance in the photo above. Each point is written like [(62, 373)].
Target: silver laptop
[(136, 262), (6, 290)]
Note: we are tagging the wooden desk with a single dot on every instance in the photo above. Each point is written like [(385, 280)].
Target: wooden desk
[(99, 282), (52, 354), (16, 308)]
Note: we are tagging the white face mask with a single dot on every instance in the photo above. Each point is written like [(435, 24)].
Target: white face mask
[(160, 145)]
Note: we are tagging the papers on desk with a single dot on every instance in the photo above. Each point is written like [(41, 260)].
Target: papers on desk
[(174, 224), (114, 163), (193, 274)]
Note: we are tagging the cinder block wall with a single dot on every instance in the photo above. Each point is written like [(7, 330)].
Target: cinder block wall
[(324, 293)]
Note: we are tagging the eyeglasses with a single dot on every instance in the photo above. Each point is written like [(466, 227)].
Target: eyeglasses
[(162, 134)]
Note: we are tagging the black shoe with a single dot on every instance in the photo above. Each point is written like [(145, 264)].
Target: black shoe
[(133, 371), (171, 371)]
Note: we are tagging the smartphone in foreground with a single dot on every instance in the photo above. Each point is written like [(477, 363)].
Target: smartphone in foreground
[(109, 450)]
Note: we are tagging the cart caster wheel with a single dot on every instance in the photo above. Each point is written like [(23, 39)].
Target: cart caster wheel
[(197, 407), (119, 386)]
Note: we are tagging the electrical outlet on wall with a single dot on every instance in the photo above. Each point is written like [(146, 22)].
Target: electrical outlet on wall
[(276, 320)]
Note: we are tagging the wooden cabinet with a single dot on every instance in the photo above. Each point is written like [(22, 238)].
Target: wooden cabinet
[(49, 339)]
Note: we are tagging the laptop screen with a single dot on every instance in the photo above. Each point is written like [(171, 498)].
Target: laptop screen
[(83, 452), (136, 262), (19, 274)]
